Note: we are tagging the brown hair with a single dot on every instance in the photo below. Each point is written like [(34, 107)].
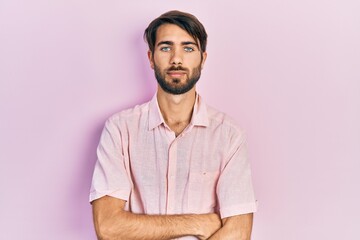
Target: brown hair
[(186, 21)]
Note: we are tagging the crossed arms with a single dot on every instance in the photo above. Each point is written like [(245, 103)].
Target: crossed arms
[(112, 222)]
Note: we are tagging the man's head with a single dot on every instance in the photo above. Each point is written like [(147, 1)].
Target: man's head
[(177, 50)]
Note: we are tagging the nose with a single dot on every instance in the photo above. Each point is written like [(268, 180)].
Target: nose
[(176, 57)]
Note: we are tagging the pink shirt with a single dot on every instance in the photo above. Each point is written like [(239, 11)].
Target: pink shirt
[(203, 170)]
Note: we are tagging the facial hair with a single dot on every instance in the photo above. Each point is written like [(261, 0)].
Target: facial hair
[(175, 87)]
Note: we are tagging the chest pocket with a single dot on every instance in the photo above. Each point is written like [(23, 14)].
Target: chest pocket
[(202, 192)]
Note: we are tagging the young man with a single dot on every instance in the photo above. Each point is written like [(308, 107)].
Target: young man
[(173, 167)]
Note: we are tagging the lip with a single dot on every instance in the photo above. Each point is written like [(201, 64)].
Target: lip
[(176, 73)]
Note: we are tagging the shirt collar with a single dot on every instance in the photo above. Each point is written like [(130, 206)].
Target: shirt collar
[(155, 117), (199, 115)]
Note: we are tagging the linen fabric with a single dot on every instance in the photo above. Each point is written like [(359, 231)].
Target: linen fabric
[(204, 169)]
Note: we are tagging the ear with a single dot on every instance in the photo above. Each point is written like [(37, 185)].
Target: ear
[(204, 54), (151, 59)]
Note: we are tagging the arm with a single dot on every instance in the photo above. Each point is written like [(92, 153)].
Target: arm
[(113, 222), (235, 227)]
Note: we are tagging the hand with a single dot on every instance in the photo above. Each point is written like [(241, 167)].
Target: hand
[(210, 225)]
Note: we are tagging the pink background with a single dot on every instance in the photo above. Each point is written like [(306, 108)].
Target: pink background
[(287, 71)]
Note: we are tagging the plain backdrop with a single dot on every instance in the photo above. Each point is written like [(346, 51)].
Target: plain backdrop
[(287, 71)]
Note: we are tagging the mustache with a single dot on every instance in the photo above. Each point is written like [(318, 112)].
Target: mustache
[(178, 68)]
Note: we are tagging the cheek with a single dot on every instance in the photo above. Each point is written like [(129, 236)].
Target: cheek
[(193, 61), (160, 61)]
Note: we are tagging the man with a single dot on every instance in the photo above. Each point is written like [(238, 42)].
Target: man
[(173, 167)]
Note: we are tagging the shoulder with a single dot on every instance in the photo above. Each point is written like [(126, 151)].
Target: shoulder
[(226, 123), (128, 115), (217, 117)]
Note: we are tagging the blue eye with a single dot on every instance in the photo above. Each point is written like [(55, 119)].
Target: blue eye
[(188, 49), (165, 49)]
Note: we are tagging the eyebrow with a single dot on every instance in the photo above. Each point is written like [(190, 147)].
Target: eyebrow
[(172, 43)]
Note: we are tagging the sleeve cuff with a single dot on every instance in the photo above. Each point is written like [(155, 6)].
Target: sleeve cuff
[(121, 194), (238, 209)]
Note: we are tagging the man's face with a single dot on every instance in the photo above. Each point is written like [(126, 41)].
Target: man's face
[(176, 60)]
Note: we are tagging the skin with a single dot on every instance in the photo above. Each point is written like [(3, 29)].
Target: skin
[(174, 47), (236, 227), (112, 222)]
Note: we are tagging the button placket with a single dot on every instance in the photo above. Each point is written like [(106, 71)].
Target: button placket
[(171, 177)]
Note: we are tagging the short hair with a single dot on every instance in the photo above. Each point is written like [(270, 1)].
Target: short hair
[(186, 21)]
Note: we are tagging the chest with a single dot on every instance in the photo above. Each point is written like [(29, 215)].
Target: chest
[(158, 155), (174, 174)]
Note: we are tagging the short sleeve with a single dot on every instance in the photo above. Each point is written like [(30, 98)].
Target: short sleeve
[(110, 175), (234, 189)]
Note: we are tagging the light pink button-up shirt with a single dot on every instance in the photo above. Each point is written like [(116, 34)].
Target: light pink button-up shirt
[(203, 170)]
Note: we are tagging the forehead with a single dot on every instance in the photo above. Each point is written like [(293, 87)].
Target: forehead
[(172, 32)]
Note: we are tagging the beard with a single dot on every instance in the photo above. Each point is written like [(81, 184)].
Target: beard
[(174, 86)]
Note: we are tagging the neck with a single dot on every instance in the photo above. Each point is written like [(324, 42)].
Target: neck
[(176, 109)]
